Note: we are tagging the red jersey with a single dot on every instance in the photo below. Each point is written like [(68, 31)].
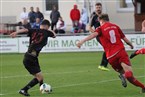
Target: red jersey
[(110, 37)]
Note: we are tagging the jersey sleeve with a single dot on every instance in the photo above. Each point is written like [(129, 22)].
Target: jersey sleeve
[(121, 33), (98, 30), (50, 34), (30, 31)]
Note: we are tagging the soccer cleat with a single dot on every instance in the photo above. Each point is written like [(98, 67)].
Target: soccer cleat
[(99, 67), (23, 92), (133, 54), (103, 68), (123, 80), (143, 90)]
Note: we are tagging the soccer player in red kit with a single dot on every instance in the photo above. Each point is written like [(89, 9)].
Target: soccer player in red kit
[(110, 37), (142, 50)]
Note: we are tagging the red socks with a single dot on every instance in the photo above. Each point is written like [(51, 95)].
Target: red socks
[(141, 51), (134, 81)]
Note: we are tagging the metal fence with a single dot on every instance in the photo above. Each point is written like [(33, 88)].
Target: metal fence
[(6, 29)]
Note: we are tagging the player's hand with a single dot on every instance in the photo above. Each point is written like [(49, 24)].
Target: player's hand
[(131, 46), (79, 44), (13, 35), (91, 30)]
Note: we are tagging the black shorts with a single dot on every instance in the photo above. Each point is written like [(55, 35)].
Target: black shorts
[(31, 64)]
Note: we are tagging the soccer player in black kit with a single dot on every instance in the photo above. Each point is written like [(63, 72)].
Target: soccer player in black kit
[(38, 39), (95, 23)]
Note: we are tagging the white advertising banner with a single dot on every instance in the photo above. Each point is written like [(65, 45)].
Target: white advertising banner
[(23, 44), (68, 44), (8, 45), (64, 44), (138, 41)]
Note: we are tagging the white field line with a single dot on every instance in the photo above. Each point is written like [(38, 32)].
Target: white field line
[(17, 76), (103, 81), (79, 84)]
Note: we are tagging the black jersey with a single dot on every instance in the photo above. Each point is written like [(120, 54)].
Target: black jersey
[(38, 39), (94, 20)]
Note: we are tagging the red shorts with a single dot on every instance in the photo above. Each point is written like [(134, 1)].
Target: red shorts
[(120, 57)]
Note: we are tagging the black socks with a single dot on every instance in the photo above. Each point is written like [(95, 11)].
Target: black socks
[(31, 84), (104, 61)]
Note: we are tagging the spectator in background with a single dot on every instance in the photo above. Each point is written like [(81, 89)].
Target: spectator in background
[(143, 26), (54, 16), (84, 19), (24, 14), (94, 23), (24, 24), (39, 14), (60, 26), (75, 15), (37, 23), (76, 28), (32, 16)]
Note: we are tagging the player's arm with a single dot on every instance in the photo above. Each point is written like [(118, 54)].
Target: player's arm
[(128, 42), (54, 35), (91, 36), (13, 35), (124, 38), (91, 29)]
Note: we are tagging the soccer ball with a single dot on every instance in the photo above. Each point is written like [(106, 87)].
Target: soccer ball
[(45, 88)]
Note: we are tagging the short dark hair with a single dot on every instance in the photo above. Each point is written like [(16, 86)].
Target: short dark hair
[(104, 17), (98, 4), (45, 22)]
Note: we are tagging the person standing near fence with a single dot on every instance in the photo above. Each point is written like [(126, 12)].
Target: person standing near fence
[(94, 22), (54, 16), (39, 14), (24, 14), (32, 17), (75, 16), (84, 19)]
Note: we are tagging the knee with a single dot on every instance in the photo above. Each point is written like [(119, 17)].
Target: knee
[(128, 74), (39, 76)]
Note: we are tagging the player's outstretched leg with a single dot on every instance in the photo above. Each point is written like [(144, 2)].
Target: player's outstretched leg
[(133, 54), (38, 79), (24, 91), (129, 76), (141, 51), (104, 63), (134, 81)]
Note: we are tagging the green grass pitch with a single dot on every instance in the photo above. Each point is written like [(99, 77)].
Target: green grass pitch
[(70, 75)]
